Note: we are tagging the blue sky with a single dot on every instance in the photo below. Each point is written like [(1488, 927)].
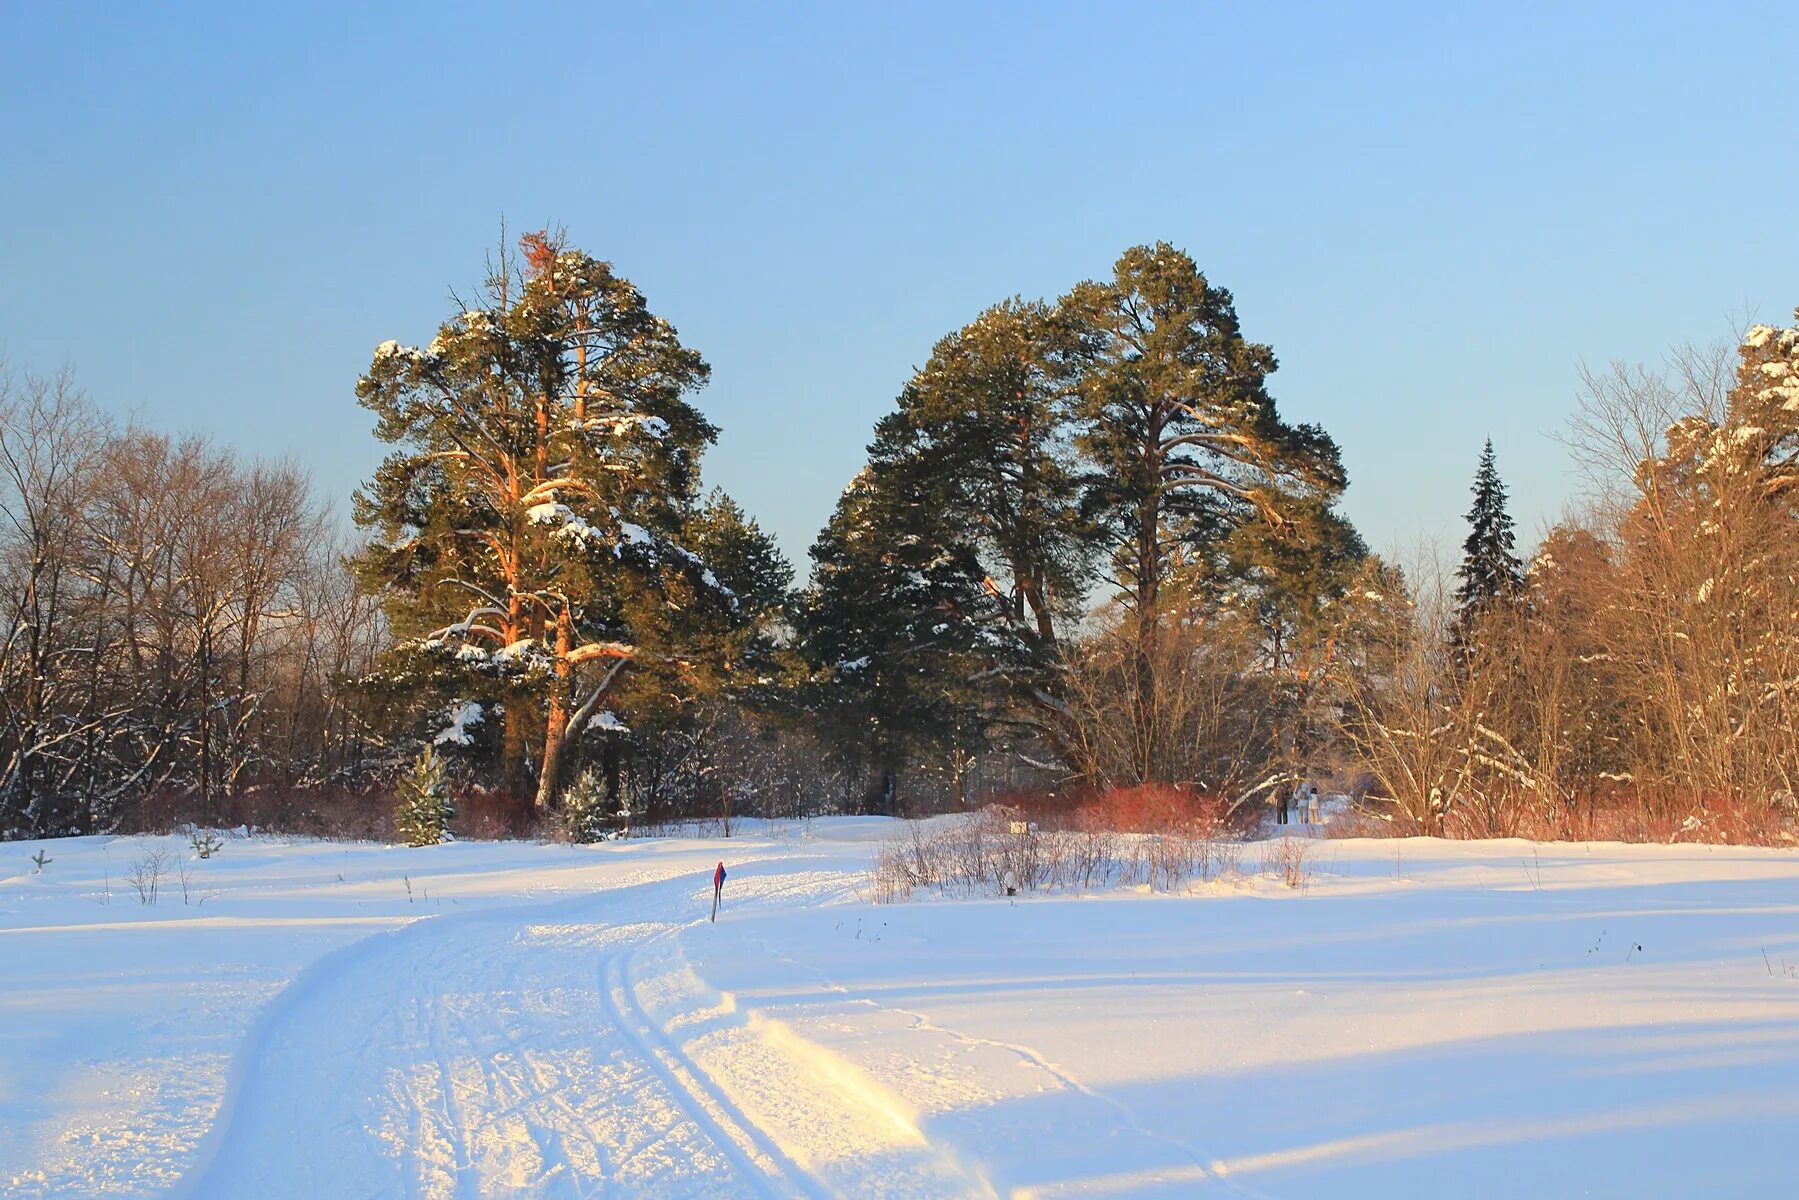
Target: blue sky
[(1434, 216)]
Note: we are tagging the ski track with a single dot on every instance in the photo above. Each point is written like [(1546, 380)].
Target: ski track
[(506, 1052)]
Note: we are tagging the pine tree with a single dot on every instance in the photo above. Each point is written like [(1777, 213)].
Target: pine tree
[(1490, 569), (1132, 413), (958, 554), (529, 526), (424, 809), (1185, 444), (989, 415), (1175, 417)]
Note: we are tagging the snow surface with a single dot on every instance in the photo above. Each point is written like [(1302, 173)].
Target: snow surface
[(1460, 1019)]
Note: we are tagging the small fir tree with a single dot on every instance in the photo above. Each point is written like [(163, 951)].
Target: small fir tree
[(425, 810), (1490, 569), (585, 811)]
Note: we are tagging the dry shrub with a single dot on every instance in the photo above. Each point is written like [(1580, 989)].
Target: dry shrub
[(330, 814), (147, 870), (1142, 809), (1645, 815), (1289, 859), (1617, 814), (1162, 838), (486, 816), (1360, 823)]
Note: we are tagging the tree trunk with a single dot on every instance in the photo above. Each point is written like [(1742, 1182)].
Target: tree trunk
[(1148, 595), (205, 657), (888, 802), (549, 782), (512, 751)]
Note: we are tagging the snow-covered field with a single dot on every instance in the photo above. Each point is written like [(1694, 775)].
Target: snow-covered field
[(1457, 1019)]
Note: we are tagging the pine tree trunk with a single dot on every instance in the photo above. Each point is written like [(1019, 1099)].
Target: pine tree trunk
[(556, 724), (512, 752), (1148, 594)]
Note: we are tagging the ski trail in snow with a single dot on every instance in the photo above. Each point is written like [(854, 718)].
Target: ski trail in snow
[(466, 1056), (819, 1124), (770, 1172), (511, 1052), (832, 1119)]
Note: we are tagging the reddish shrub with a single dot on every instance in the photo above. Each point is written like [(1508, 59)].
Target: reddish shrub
[(335, 813), (483, 815), (1143, 808), (1166, 808), (1618, 813)]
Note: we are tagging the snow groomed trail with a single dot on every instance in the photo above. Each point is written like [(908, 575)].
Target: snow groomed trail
[(513, 1052)]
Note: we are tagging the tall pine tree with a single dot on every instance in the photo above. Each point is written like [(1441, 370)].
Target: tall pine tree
[(990, 410), (1490, 569), (529, 526), (1131, 416), (1175, 415), (1185, 442)]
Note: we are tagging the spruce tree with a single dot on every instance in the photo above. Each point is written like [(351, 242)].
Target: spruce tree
[(730, 650), (424, 809), (890, 625), (1490, 569), (586, 810)]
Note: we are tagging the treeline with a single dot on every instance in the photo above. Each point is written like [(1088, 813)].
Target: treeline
[(1085, 539), (178, 622), (1086, 552), (1639, 677)]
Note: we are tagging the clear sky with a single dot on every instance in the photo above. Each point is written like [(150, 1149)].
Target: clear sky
[(214, 213)]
